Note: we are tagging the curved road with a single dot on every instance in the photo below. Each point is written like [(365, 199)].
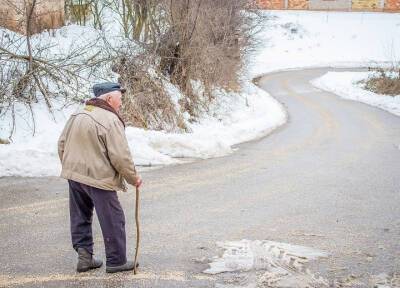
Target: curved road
[(327, 179)]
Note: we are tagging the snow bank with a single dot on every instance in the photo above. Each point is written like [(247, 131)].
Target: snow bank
[(296, 39), (29, 155), (235, 118), (346, 85)]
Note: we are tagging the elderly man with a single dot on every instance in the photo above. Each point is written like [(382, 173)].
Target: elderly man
[(96, 160)]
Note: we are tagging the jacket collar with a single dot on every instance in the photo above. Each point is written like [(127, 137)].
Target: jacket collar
[(97, 102)]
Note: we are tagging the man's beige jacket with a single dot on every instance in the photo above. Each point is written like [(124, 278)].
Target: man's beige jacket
[(94, 151)]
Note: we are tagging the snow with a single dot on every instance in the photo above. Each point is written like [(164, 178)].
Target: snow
[(232, 119), (266, 264), (346, 85), (230, 122), (290, 39), (246, 255), (37, 155), (297, 39)]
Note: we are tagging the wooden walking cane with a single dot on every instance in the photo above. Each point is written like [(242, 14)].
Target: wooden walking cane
[(137, 230)]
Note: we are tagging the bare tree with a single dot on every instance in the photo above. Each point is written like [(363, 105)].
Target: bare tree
[(182, 41), (31, 73), (205, 41), (78, 10), (187, 40)]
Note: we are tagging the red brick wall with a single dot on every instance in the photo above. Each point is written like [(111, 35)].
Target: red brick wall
[(271, 4), (356, 5), (298, 4), (365, 5), (392, 5)]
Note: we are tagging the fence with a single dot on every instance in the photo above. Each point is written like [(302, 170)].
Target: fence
[(339, 5)]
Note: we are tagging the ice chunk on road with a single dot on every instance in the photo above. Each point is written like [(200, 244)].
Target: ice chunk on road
[(268, 263), (246, 255)]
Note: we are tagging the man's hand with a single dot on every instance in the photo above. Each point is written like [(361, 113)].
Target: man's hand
[(138, 181)]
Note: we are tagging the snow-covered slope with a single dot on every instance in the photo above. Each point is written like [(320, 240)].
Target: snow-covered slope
[(235, 118), (293, 39)]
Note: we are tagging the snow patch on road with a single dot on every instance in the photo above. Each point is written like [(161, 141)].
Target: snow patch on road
[(266, 263), (256, 263), (384, 280)]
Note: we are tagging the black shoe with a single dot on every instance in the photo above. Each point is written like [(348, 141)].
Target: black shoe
[(128, 266), (86, 261)]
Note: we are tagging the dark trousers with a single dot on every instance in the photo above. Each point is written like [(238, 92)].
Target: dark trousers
[(82, 200)]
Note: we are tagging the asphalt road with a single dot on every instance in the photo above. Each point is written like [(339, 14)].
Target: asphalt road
[(327, 179)]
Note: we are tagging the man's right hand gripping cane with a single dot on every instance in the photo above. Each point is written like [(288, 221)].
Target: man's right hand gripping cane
[(139, 181)]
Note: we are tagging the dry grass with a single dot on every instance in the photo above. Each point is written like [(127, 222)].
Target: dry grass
[(205, 41), (384, 82), (4, 141), (186, 40), (146, 102)]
